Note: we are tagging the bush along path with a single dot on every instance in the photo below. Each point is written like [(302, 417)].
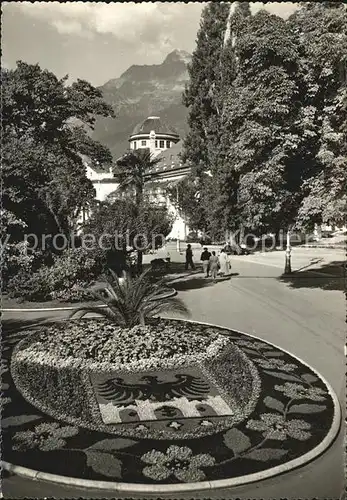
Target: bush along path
[(215, 405)]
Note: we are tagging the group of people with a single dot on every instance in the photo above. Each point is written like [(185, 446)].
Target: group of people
[(212, 264)]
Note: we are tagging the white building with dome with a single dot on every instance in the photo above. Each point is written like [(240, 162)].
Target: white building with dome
[(153, 134), (163, 142)]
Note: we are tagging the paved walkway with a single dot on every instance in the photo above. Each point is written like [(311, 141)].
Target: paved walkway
[(306, 318), (301, 257)]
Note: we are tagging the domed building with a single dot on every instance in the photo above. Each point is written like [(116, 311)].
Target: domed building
[(164, 143), (153, 134)]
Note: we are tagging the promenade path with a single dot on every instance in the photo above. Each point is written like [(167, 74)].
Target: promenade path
[(304, 315)]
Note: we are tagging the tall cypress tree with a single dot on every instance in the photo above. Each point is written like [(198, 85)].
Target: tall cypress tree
[(200, 95), (223, 193)]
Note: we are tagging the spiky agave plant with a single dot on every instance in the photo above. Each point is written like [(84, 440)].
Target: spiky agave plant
[(130, 301)]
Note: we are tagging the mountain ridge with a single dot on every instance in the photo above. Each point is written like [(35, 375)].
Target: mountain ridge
[(141, 91)]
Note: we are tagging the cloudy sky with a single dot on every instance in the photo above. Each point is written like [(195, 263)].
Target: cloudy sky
[(98, 41)]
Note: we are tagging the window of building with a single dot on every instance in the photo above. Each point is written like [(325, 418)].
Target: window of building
[(168, 144), (156, 144), (143, 143), (162, 144), (135, 145)]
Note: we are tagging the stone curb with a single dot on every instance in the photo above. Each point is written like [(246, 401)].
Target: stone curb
[(48, 309), (330, 247), (204, 485), (67, 308)]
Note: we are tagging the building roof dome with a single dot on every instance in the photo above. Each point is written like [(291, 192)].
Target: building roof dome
[(156, 124)]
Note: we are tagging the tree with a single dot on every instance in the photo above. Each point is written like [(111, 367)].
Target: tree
[(323, 121), (200, 93), (218, 191), (188, 198), (124, 223), (263, 155), (46, 127), (133, 170), (277, 147), (14, 252)]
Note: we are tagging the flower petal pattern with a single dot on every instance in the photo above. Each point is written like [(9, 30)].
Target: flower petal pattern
[(178, 461), (46, 437), (275, 364), (297, 391), (274, 426)]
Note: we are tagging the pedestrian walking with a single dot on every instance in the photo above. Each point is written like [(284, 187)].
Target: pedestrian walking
[(229, 256), (189, 257), (205, 258), (223, 262), (228, 249), (168, 261), (213, 261)]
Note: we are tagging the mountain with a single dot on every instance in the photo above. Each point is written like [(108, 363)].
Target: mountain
[(142, 91)]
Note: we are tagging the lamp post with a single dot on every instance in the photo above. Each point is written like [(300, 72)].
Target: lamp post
[(288, 265), (178, 247)]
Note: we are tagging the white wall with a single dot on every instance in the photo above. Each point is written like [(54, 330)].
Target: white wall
[(97, 176), (179, 229), (104, 189)]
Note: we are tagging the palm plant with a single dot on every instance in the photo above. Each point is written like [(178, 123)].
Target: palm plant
[(133, 170), (130, 301)]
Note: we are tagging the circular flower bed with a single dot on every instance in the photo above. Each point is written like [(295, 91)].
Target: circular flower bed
[(285, 421), (95, 374)]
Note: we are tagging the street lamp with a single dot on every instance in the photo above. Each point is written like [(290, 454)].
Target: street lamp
[(288, 265), (178, 248)]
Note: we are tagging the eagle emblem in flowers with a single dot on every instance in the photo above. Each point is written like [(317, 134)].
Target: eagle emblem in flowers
[(150, 388)]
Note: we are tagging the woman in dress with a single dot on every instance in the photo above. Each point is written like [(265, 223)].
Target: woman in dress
[(223, 263), (213, 261)]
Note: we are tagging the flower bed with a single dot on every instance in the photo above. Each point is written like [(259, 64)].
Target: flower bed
[(55, 369), (295, 418), (162, 344)]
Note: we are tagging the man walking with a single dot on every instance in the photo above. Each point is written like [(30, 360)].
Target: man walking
[(189, 257), (205, 258)]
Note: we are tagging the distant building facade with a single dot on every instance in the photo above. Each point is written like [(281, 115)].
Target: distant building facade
[(153, 134), (163, 142)]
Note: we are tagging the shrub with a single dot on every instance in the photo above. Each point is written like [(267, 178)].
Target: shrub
[(16, 256), (27, 285), (15, 259), (66, 280)]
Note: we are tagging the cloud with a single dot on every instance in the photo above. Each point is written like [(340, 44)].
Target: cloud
[(98, 40), (153, 23), (284, 9), (129, 21)]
